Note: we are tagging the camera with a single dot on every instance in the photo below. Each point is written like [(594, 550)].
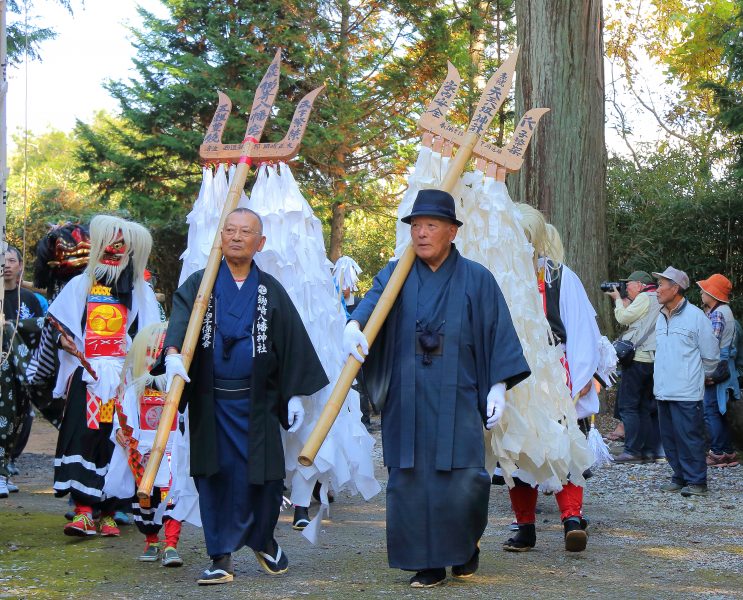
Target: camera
[(608, 286)]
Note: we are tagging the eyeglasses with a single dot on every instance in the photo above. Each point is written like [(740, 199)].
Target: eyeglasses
[(240, 233)]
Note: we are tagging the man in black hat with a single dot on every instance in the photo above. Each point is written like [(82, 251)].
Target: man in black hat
[(439, 371)]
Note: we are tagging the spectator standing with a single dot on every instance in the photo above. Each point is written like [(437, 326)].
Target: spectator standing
[(639, 411), (724, 382), (15, 405), (686, 352)]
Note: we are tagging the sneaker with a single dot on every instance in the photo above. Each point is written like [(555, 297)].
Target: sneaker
[(108, 527), (717, 460), (732, 459), (469, 568), (428, 578), (627, 458), (276, 564), (12, 487), (523, 541), (12, 469), (122, 518), (171, 558), (658, 460), (151, 553), (671, 487), (220, 571), (576, 537), (301, 518), (81, 526), (694, 490), (4, 491)]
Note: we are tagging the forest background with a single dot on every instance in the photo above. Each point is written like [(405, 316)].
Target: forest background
[(674, 197)]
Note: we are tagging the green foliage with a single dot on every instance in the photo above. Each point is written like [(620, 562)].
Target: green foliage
[(53, 189), (728, 95), (25, 36), (670, 213)]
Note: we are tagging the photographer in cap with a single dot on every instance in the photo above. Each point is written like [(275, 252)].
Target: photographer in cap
[(686, 353), (637, 407)]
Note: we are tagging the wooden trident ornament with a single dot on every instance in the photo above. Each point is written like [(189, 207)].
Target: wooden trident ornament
[(213, 150), (467, 143)]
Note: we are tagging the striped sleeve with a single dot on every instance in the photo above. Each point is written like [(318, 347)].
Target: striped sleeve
[(43, 364)]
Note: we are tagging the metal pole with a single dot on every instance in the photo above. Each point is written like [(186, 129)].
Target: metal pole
[(3, 148)]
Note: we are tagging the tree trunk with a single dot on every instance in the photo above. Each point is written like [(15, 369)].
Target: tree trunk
[(564, 174), (338, 166), (336, 230)]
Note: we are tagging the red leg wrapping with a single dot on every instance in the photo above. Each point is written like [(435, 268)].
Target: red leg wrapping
[(570, 501), (524, 503), (172, 532), (151, 538), (83, 509)]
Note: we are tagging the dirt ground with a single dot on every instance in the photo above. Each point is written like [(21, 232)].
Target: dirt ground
[(643, 544)]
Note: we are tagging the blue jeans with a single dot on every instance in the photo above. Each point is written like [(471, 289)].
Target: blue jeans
[(639, 411), (717, 426), (682, 433)]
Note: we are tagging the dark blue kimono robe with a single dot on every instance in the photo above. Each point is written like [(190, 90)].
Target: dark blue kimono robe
[(253, 355), (434, 405)]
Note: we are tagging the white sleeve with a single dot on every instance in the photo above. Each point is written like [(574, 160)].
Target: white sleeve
[(579, 318)]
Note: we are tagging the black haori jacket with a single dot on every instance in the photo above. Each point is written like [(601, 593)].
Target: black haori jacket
[(285, 365)]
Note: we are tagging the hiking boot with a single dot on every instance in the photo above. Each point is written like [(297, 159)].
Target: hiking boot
[(469, 568), (301, 518), (151, 553), (732, 459), (671, 487), (428, 578), (4, 491), (81, 526), (717, 460), (220, 571), (694, 490), (108, 527), (523, 541), (171, 558), (576, 537), (275, 563)]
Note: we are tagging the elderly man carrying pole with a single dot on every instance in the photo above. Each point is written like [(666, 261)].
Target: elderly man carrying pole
[(448, 353)]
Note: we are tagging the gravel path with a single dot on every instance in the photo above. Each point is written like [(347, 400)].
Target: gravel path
[(643, 544)]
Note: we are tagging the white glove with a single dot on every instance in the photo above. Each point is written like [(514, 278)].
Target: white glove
[(352, 338), (174, 366), (296, 413), (496, 404)]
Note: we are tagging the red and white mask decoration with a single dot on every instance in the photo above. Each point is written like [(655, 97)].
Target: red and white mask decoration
[(114, 244)]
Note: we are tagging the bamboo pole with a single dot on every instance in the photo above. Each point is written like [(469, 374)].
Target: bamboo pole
[(379, 315), (194, 328)]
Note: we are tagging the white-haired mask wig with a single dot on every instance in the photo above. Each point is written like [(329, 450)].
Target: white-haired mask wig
[(535, 228), (108, 232), (555, 249), (142, 356)]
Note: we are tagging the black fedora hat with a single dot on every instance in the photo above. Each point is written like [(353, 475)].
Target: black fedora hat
[(433, 203)]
